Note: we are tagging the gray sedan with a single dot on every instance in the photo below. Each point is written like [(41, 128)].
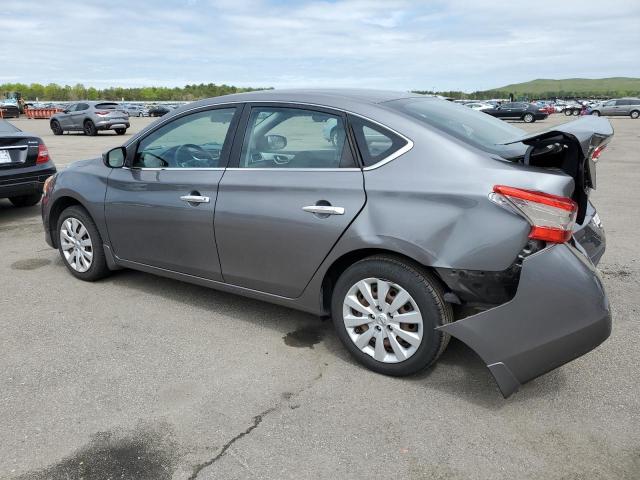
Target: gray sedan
[(90, 117), (420, 220)]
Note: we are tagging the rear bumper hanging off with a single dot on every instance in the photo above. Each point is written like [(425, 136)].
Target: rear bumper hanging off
[(560, 312)]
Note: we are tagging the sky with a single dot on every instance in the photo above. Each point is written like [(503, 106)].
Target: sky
[(400, 45)]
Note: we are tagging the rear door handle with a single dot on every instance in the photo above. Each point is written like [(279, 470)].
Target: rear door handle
[(324, 209), (194, 199)]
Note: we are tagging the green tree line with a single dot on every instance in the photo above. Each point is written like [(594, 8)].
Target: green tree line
[(55, 92)]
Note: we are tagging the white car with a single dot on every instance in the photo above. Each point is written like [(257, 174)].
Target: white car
[(479, 105)]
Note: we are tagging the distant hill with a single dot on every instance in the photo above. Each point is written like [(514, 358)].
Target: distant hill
[(569, 87)]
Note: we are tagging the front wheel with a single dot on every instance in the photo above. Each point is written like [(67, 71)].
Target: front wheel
[(635, 114), (90, 129), (56, 128), (25, 200), (595, 113), (385, 311), (568, 112), (528, 118), (80, 245), (121, 131)]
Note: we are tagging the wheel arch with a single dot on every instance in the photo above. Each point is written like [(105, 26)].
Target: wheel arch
[(59, 206), (340, 264)]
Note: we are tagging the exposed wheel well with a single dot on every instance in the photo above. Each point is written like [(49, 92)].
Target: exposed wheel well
[(348, 259), (54, 214)]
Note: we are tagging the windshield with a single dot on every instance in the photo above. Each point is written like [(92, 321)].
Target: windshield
[(471, 126)]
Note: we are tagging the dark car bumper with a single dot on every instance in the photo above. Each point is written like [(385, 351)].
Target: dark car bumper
[(560, 312), (24, 182)]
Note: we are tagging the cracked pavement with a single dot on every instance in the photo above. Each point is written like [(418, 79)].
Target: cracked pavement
[(141, 377)]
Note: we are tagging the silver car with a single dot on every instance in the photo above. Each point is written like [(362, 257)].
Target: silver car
[(618, 107), (456, 224), (136, 110), (90, 118)]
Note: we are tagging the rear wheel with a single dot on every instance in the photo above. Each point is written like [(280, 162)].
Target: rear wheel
[(576, 112), (635, 114), (595, 113), (528, 118), (121, 131), (25, 200), (568, 111), (56, 128), (90, 129), (385, 312), (80, 245)]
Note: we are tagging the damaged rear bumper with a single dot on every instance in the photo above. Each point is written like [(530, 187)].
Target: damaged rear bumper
[(559, 312)]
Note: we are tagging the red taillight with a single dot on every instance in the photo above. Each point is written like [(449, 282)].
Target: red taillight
[(43, 154), (551, 217), (597, 151), (102, 112)]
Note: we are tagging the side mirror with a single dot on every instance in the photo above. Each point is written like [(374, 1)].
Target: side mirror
[(65, 111), (276, 142), (115, 157)]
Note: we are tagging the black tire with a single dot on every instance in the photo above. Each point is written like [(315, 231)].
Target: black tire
[(635, 114), (98, 268), (426, 292), (576, 112), (25, 200), (568, 112), (121, 131), (56, 128), (89, 128), (528, 118), (595, 113)]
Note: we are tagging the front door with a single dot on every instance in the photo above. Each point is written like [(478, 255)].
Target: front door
[(294, 189), (159, 209), (65, 118)]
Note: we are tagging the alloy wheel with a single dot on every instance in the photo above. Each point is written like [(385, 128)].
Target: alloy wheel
[(383, 320), (76, 244)]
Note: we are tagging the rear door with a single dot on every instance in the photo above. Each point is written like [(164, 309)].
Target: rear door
[(290, 194), (159, 209)]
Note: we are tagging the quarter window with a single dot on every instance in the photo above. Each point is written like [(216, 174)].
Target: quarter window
[(280, 137), (374, 142), (191, 141)]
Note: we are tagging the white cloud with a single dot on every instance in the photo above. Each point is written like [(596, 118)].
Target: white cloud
[(456, 44)]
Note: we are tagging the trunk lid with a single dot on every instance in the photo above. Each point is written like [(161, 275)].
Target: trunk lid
[(569, 147), (17, 150)]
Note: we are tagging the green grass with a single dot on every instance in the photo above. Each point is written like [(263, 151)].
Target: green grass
[(611, 87)]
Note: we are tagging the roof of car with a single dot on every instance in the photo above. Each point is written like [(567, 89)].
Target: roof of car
[(327, 96)]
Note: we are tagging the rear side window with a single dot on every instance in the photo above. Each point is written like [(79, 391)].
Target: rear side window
[(375, 142), (81, 106)]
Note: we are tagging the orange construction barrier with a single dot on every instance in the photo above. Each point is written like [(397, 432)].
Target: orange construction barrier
[(42, 112)]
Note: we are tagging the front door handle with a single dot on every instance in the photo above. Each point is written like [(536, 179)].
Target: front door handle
[(194, 199), (324, 209)]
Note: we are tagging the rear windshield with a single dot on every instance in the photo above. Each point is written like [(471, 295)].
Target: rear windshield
[(107, 106), (471, 126)]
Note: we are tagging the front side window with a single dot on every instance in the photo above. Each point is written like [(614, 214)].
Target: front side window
[(191, 141), (375, 143), (610, 103), (282, 137)]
